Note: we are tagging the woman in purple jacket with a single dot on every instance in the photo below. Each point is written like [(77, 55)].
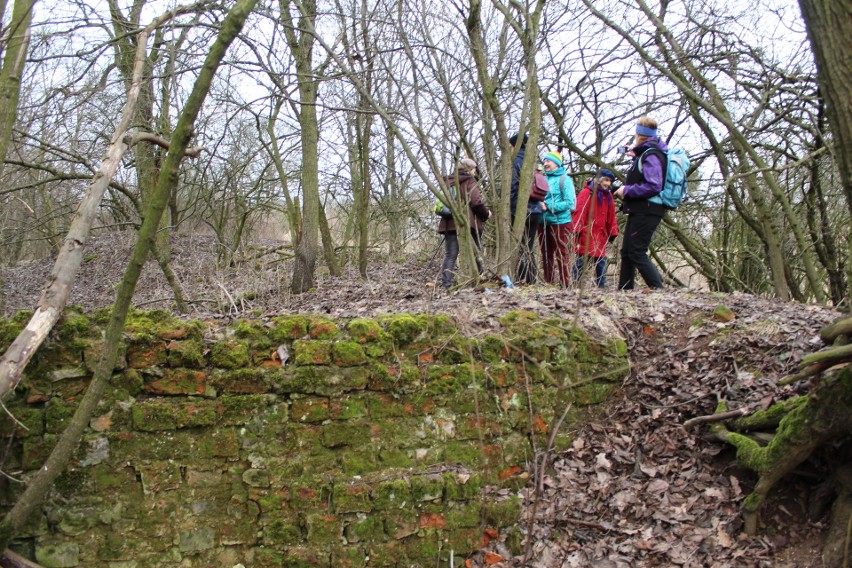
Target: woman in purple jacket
[(643, 216)]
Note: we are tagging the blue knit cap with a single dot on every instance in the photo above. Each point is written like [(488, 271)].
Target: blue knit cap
[(603, 172)]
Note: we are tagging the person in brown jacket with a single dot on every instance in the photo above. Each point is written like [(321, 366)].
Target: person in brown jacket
[(477, 214)]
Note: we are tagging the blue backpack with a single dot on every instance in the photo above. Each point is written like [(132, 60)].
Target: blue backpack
[(674, 185)]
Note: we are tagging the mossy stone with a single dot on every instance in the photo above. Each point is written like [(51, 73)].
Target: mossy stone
[(312, 352), (403, 328), (503, 513), (348, 407), (288, 328), (9, 330), (189, 354), (723, 314), (428, 487), (249, 329), (351, 433), (348, 354), (391, 494), (322, 328), (240, 381), (57, 413), (352, 498), (365, 331), (366, 528), (230, 355), (32, 419), (238, 410), (458, 488), (323, 529)]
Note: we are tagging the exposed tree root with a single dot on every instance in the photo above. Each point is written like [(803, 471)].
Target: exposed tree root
[(804, 424), (838, 544)]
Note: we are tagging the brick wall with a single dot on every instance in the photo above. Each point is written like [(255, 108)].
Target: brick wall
[(299, 441)]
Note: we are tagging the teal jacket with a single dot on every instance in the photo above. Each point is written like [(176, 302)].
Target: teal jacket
[(560, 201)]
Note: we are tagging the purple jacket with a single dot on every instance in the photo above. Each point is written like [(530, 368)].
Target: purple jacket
[(640, 186)]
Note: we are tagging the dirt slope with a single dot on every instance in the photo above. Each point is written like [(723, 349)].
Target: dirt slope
[(636, 488)]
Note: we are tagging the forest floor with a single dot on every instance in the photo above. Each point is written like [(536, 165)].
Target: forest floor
[(636, 488)]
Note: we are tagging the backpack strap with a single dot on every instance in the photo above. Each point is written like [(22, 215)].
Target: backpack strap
[(660, 153)]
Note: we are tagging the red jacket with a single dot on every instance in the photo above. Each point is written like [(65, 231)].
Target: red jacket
[(597, 213)]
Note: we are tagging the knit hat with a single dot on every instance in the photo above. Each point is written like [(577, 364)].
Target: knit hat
[(603, 172), (467, 165), (514, 138), (554, 157)]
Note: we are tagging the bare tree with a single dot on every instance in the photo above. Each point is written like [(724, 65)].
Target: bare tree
[(157, 203)]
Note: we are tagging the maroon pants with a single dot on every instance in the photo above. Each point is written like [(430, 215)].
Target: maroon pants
[(555, 253)]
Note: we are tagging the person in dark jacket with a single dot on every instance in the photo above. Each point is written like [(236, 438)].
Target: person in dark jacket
[(643, 216), (527, 267), (477, 214), (594, 225)]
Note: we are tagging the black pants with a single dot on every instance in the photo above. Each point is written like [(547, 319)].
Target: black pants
[(527, 267), (634, 252), (451, 255)]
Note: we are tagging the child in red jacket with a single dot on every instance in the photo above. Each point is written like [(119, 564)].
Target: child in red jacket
[(594, 225)]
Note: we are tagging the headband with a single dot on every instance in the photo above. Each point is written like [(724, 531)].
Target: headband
[(645, 131)]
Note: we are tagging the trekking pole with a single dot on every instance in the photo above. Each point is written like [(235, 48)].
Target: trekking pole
[(437, 248)]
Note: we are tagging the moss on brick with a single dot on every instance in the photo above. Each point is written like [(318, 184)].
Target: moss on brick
[(465, 453), (365, 331), (359, 463), (178, 382), (428, 487), (502, 513), (403, 328), (9, 330), (391, 494), (240, 381), (288, 328), (57, 413), (309, 409), (237, 410), (348, 354), (230, 355), (323, 529), (366, 528), (250, 330), (74, 329), (308, 352), (442, 379), (31, 418), (322, 328), (282, 532), (352, 498), (348, 407), (455, 350), (130, 380), (189, 354), (462, 488), (352, 433)]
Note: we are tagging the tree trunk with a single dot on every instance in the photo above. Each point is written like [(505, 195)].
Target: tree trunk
[(68, 441), (58, 289), (14, 57), (829, 26), (306, 246)]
